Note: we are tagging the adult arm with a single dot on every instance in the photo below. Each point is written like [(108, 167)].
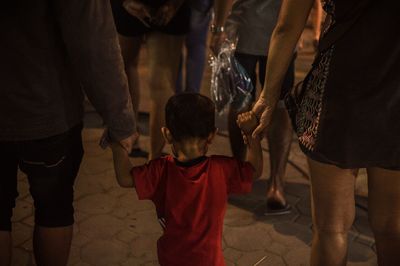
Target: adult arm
[(247, 122), (222, 9), (88, 32), (291, 22), (122, 166)]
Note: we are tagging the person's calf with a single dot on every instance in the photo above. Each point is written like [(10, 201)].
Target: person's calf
[(52, 245), (329, 247)]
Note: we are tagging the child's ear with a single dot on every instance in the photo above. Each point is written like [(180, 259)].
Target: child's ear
[(211, 137), (167, 135)]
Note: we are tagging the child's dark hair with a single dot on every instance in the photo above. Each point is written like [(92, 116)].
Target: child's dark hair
[(190, 115)]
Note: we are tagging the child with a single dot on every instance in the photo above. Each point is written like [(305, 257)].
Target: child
[(189, 189)]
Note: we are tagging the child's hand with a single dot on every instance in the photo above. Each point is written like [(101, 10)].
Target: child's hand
[(247, 122)]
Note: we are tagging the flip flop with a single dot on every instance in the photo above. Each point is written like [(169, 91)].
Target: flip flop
[(266, 210)]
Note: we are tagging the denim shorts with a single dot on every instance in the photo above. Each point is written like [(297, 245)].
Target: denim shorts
[(51, 165)]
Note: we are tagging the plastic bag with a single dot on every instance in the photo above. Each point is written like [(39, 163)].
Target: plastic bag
[(230, 83)]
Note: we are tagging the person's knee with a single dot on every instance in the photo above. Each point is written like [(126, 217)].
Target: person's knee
[(54, 209), (330, 225)]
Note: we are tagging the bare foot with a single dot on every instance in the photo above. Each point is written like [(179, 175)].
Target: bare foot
[(275, 198)]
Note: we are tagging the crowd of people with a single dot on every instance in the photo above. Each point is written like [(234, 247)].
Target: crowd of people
[(345, 114)]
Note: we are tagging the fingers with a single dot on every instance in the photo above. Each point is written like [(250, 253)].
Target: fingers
[(258, 131), (128, 143)]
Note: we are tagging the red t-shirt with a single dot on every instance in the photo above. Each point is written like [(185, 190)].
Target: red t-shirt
[(191, 201)]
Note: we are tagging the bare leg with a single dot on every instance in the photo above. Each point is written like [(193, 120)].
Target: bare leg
[(279, 141), (164, 53), (52, 245), (384, 213), (5, 248), (130, 48), (333, 211)]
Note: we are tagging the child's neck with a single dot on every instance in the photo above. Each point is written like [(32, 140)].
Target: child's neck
[(189, 149)]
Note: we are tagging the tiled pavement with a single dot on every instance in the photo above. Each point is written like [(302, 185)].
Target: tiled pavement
[(114, 228)]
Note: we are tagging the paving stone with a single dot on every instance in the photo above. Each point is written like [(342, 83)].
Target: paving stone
[(22, 210), (304, 220), (80, 216), (101, 226), (20, 233), (248, 238), (362, 225), (20, 257), (23, 188), (304, 206), (74, 256), (271, 259), (277, 248), (144, 222), (129, 203), (235, 216), (107, 180), (86, 185), (80, 263), (133, 261), (119, 192), (365, 240), (91, 135), (80, 240), (359, 252), (29, 221), (288, 239), (96, 165), (145, 247), (127, 236), (104, 253), (96, 204), (92, 149), (232, 254), (27, 245), (300, 232), (229, 263), (251, 258), (299, 256)]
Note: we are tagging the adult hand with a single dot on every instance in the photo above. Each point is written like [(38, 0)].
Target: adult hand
[(128, 143), (166, 12), (139, 10), (264, 113), (216, 41)]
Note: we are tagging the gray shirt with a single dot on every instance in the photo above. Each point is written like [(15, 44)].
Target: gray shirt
[(52, 51), (253, 21)]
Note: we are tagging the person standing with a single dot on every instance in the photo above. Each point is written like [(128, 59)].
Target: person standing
[(253, 21), (163, 24), (50, 53), (195, 44), (346, 115)]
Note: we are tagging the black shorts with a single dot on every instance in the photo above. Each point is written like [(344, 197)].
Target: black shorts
[(249, 63), (129, 26), (51, 165)]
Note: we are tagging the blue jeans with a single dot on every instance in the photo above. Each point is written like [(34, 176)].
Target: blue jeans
[(196, 51)]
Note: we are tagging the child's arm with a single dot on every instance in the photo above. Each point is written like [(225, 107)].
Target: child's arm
[(247, 123), (122, 166)]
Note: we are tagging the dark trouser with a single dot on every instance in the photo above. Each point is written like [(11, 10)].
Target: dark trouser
[(51, 165), (196, 52)]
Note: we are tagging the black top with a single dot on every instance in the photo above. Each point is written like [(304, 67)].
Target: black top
[(348, 110), (49, 51)]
